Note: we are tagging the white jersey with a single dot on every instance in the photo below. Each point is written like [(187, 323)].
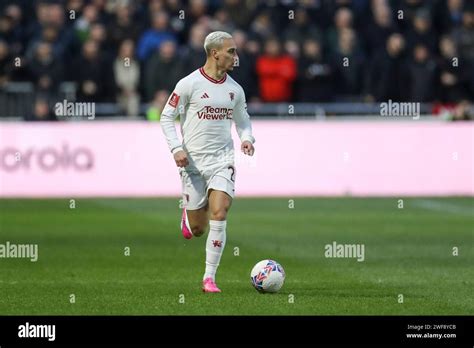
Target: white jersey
[(206, 108)]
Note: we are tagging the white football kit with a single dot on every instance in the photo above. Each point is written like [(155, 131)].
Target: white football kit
[(206, 108)]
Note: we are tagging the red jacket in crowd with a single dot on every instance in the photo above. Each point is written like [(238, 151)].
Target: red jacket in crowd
[(276, 76)]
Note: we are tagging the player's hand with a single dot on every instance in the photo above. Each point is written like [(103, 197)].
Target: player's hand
[(247, 148), (181, 159)]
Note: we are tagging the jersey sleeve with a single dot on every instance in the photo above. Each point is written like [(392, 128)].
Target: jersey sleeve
[(242, 119), (176, 105)]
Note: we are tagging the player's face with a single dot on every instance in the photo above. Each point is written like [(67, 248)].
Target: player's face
[(227, 55)]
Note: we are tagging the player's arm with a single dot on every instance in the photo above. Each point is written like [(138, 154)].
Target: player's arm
[(243, 125), (176, 103)]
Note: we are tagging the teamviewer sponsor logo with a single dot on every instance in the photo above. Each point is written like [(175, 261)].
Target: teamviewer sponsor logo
[(211, 113), (70, 109), (336, 250), (37, 331), (24, 251)]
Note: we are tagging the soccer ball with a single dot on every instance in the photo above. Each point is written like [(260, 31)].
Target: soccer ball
[(267, 276)]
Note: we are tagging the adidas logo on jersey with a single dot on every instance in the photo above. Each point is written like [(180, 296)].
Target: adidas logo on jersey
[(204, 96)]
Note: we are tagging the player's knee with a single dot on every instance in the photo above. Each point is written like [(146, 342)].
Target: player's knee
[(198, 230), (219, 214)]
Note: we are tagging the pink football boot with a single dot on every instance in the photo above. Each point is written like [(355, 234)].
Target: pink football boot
[(208, 285), (184, 227)]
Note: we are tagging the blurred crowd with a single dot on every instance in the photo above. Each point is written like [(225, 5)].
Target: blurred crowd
[(134, 51)]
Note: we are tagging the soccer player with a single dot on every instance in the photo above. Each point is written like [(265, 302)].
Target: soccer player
[(207, 100)]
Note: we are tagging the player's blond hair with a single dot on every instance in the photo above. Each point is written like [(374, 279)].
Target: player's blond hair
[(214, 40)]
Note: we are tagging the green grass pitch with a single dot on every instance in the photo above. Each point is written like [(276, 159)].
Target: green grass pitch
[(408, 252)]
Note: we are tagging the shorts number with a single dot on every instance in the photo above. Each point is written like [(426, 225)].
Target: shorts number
[(232, 176)]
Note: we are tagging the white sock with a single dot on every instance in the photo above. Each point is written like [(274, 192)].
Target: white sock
[(214, 247)]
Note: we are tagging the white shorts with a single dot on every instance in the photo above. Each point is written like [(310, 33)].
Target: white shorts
[(196, 184)]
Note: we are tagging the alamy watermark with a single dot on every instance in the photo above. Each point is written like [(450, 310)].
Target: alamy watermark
[(25, 251), (70, 109), (28, 330), (392, 108), (336, 250)]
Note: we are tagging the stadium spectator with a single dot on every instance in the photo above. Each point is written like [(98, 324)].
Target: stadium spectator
[(51, 28), (41, 111), (11, 30), (98, 33), (450, 14), (6, 64), (463, 111), (422, 32), (74, 7), (292, 48), (222, 22), (155, 6), (154, 37), (100, 5), (343, 19), (163, 70), (123, 26), (262, 27), (454, 73), (406, 11), (54, 15), (244, 73), (315, 82), (194, 56), (301, 28), (464, 35), (349, 65), (82, 25), (276, 72), (157, 105), (378, 28), (93, 75), (45, 70), (240, 12), (253, 46), (196, 10), (421, 75), (127, 78), (177, 24), (386, 77), (471, 82)]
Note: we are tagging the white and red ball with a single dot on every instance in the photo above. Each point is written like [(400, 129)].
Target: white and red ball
[(267, 276)]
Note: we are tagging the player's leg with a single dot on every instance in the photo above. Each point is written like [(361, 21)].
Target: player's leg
[(194, 220), (198, 220), (220, 192), (219, 205)]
